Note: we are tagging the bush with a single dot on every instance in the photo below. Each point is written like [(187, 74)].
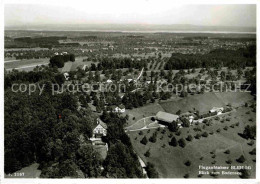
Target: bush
[(147, 154), (218, 130), (229, 161), (186, 176), (253, 152), (144, 140), (205, 134), (151, 171), (182, 143), (225, 128), (241, 159), (178, 133), (187, 163), (173, 142), (244, 173), (189, 138), (141, 133), (227, 151), (251, 143), (197, 136), (153, 137)]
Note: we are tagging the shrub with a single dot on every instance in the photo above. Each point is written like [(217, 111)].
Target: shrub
[(241, 159), (189, 138), (147, 154), (178, 133), (227, 151), (182, 143), (205, 134), (186, 176), (144, 140), (253, 152), (187, 163), (229, 161), (218, 130), (244, 173), (225, 128), (173, 142), (153, 137), (251, 143), (197, 136), (141, 133)]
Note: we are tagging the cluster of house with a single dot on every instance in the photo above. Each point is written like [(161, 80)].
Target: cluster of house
[(62, 53), (162, 117), (166, 118)]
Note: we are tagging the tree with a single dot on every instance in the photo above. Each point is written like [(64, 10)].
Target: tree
[(227, 151), (72, 57), (57, 60), (185, 122), (187, 163), (153, 137), (174, 142), (205, 134), (173, 127), (245, 174), (151, 171), (241, 159), (147, 153), (249, 132), (144, 140), (253, 152), (182, 143), (189, 138)]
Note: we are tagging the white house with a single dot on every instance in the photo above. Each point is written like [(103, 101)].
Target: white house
[(219, 110), (109, 81), (66, 76), (120, 109), (191, 118), (100, 130)]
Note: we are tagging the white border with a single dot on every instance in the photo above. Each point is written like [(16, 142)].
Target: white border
[(117, 181)]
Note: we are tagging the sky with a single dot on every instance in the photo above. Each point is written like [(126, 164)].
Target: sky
[(129, 12)]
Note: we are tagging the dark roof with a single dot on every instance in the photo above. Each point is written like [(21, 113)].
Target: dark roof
[(166, 117), (104, 125)]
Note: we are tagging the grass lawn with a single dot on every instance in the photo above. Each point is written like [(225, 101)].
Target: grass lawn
[(141, 112), (102, 150), (169, 161), (27, 172), (25, 63)]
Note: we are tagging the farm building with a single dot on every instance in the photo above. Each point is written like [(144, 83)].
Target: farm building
[(166, 118), (100, 130), (120, 108), (219, 110)]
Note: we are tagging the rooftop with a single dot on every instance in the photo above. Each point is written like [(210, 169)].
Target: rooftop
[(166, 117)]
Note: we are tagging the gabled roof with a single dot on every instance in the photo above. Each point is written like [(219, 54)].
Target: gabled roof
[(100, 122), (166, 117)]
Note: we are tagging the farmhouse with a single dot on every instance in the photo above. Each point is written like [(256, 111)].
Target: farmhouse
[(100, 130), (166, 118), (219, 110), (120, 108)]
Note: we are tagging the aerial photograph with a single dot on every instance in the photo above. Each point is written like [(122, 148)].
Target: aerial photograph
[(137, 90)]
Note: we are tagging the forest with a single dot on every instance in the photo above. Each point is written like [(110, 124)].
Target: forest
[(46, 129), (233, 59)]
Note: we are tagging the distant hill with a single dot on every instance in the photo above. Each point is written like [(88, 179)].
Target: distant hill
[(133, 27)]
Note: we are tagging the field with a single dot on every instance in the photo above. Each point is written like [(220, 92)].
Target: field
[(28, 64), (169, 161), (27, 172), (205, 102), (141, 112)]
